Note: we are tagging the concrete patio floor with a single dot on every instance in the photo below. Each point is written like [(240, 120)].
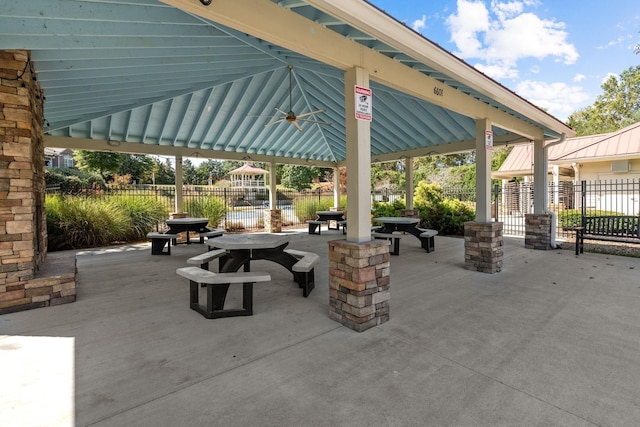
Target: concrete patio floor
[(553, 339)]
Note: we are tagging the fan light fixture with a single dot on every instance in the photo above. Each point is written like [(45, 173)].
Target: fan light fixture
[(290, 116)]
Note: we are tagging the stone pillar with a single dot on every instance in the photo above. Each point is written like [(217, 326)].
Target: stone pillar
[(410, 213), (273, 220), (359, 283), (483, 246), (23, 226), (537, 231)]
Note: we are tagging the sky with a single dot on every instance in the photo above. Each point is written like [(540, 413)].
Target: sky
[(554, 53)]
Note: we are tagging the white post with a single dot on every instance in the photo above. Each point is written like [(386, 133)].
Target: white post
[(408, 176), (540, 186), (484, 150), (358, 139), (273, 199), (336, 187), (556, 184), (179, 182)]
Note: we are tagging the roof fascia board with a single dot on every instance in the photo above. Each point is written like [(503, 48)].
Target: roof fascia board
[(51, 141), (377, 23), (315, 41)]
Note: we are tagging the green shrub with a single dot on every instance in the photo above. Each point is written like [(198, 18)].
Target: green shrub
[(208, 207), (145, 213), (570, 218), (80, 222), (73, 181), (306, 209), (445, 215), (573, 217)]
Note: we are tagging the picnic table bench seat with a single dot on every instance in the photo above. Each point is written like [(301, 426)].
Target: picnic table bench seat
[(315, 224), (427, 239), (159, 241), (203, 260), (211, 234), (393, 238), (198, 276), (303, 270)]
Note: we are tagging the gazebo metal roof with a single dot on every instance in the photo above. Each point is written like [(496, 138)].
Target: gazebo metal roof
[(176, 77)]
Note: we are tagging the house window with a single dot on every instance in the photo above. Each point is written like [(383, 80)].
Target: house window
[(68, 161)]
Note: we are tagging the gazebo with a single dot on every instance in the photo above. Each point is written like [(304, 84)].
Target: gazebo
[(248, 176)]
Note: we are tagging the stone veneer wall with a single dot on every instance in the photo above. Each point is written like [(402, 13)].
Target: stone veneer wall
[(537, 231), (483, 246), (23, 227), (359, 283), (273, 220)]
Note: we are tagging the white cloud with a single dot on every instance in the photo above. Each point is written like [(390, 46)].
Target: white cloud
[(418, 24), (506, 35), (579, 77), (501, 70), (472, 18), (559, 99)]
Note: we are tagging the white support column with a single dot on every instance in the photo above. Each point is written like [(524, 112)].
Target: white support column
[(556, 185), (336, 187), (540, 179), (358, 136), (408, 175), (273, 193), (179, 202), (483, 171)]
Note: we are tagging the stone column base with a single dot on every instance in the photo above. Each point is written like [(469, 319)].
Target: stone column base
[(273, 220), (359, 283), (483, 245), (410, 213), (178, 215), (537, 231)]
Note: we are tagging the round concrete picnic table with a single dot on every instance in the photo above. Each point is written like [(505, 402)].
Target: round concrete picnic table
[(179, 225), (394, 223), (243, 248), (330, 216)]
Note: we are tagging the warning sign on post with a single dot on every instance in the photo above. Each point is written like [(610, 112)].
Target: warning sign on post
[(364, 100), (488, 139)]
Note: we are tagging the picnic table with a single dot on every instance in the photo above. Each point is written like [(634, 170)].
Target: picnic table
[(244, 248), (406, 225), (182, 225)]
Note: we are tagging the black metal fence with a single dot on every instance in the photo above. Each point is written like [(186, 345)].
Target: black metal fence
[(244, 208)]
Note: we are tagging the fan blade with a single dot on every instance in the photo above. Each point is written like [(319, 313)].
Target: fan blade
[(281, 111), (308, 114), (297, 125), (277, 121), (320, 122), (261, 115)]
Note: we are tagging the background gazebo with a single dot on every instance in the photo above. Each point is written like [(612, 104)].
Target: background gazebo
[(248, 176)]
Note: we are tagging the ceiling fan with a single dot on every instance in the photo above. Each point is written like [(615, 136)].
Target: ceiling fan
[(290, 116)]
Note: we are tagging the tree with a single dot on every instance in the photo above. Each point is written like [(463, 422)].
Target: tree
[(298, 177), (102, 162), (163, 172), (189, 175), (618, 106), (139, 166)]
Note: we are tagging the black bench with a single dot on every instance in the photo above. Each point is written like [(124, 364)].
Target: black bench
[(159, 241), (316, 224), (611, 228)]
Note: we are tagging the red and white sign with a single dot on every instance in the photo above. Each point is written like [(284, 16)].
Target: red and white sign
[(364, 106), (488, 139)]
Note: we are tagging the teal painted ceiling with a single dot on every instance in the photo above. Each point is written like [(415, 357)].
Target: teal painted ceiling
[(146, 73)]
